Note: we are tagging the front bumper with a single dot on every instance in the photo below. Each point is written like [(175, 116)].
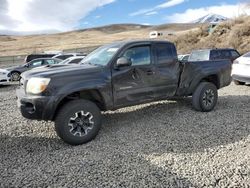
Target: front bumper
[(4, 79), (35, 107), (241, 78)]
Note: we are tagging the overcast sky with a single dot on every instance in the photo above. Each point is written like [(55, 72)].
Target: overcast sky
[(65, 15)]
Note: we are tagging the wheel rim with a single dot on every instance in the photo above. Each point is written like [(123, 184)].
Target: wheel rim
[(81, 123), (15, 76), (208, 98)]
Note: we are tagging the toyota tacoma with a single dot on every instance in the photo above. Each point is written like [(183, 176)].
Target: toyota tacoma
[(115, 76)]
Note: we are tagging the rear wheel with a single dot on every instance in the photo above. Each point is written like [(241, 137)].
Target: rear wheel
[(78, 122), (205, 97), (236, 82), (15, 76)]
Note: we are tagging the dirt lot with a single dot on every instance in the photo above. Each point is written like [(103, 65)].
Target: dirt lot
[(164, 144)]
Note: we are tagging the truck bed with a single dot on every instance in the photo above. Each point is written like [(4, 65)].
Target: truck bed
[(191, 73)]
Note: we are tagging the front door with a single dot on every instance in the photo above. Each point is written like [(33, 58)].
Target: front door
[(132, 84)]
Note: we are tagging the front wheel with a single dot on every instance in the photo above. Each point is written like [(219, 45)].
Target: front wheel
[(205, 97), (15, 76), (78, 122)]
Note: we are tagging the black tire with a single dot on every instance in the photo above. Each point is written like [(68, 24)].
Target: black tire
[(15, 76), (205, 97), (236, 82), (78, 122)]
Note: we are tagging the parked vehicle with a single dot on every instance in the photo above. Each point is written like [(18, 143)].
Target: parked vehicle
[(115, 76), (68, 55), (183, 58), (4, 76), (36, 56), (73, 60), (15, 72), (241, 70), (214, 54)]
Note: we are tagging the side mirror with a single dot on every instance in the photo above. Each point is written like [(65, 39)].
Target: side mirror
[(27, 65), (123, 62)]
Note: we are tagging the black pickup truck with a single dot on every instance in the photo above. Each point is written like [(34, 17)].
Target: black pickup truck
[(114, 76)]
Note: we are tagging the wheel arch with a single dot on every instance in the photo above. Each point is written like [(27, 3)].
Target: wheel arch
[(92, 95), (212, 79)]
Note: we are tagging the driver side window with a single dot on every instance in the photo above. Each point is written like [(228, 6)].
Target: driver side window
[(36, 63), (138, 55)]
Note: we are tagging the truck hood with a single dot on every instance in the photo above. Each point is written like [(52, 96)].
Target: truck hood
[(50, 71)]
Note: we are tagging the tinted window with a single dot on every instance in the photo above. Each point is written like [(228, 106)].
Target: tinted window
[(164, 53), (235, 54), (75, 61), (215, 54), (35, 56), (225, 54), (63, 57), (139, 55)]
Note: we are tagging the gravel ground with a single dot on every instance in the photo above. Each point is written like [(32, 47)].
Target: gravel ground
[(163, 144)]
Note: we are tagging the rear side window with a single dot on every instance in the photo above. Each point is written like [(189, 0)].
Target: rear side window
[(215, 55), (235, 54), (225, 54), (75, 61), (164, 53)]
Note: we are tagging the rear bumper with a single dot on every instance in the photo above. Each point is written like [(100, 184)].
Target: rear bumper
[(35, 107)]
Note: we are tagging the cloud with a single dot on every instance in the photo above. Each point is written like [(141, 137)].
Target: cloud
[(34, 15), (151, 13), (6, 20), (169, 3), (98, 17), (227, 10)]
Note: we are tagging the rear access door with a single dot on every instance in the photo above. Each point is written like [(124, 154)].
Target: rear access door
[(166, 69)]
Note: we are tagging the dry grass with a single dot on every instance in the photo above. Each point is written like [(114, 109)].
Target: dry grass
[(235, 34), (231, 34)]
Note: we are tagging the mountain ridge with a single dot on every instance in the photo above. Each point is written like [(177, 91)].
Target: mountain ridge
[(211, 18)]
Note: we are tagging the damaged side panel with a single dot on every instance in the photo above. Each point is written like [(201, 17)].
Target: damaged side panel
[(217, 72)]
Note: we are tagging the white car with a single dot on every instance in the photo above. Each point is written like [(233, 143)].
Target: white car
[(4, 76), (73, 60), (241, 70)]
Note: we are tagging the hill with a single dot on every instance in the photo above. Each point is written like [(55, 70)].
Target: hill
[(233, 33), (19, 45)]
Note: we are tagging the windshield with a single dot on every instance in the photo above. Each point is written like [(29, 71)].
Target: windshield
[(101, 56), (199, 55)]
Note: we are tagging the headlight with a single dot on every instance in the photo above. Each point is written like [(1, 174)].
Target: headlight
[(3, 72), (37, 85)]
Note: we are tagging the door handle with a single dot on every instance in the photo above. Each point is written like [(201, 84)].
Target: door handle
[(150, 72)]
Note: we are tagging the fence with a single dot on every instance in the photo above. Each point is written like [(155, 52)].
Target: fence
[(7, 61)]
